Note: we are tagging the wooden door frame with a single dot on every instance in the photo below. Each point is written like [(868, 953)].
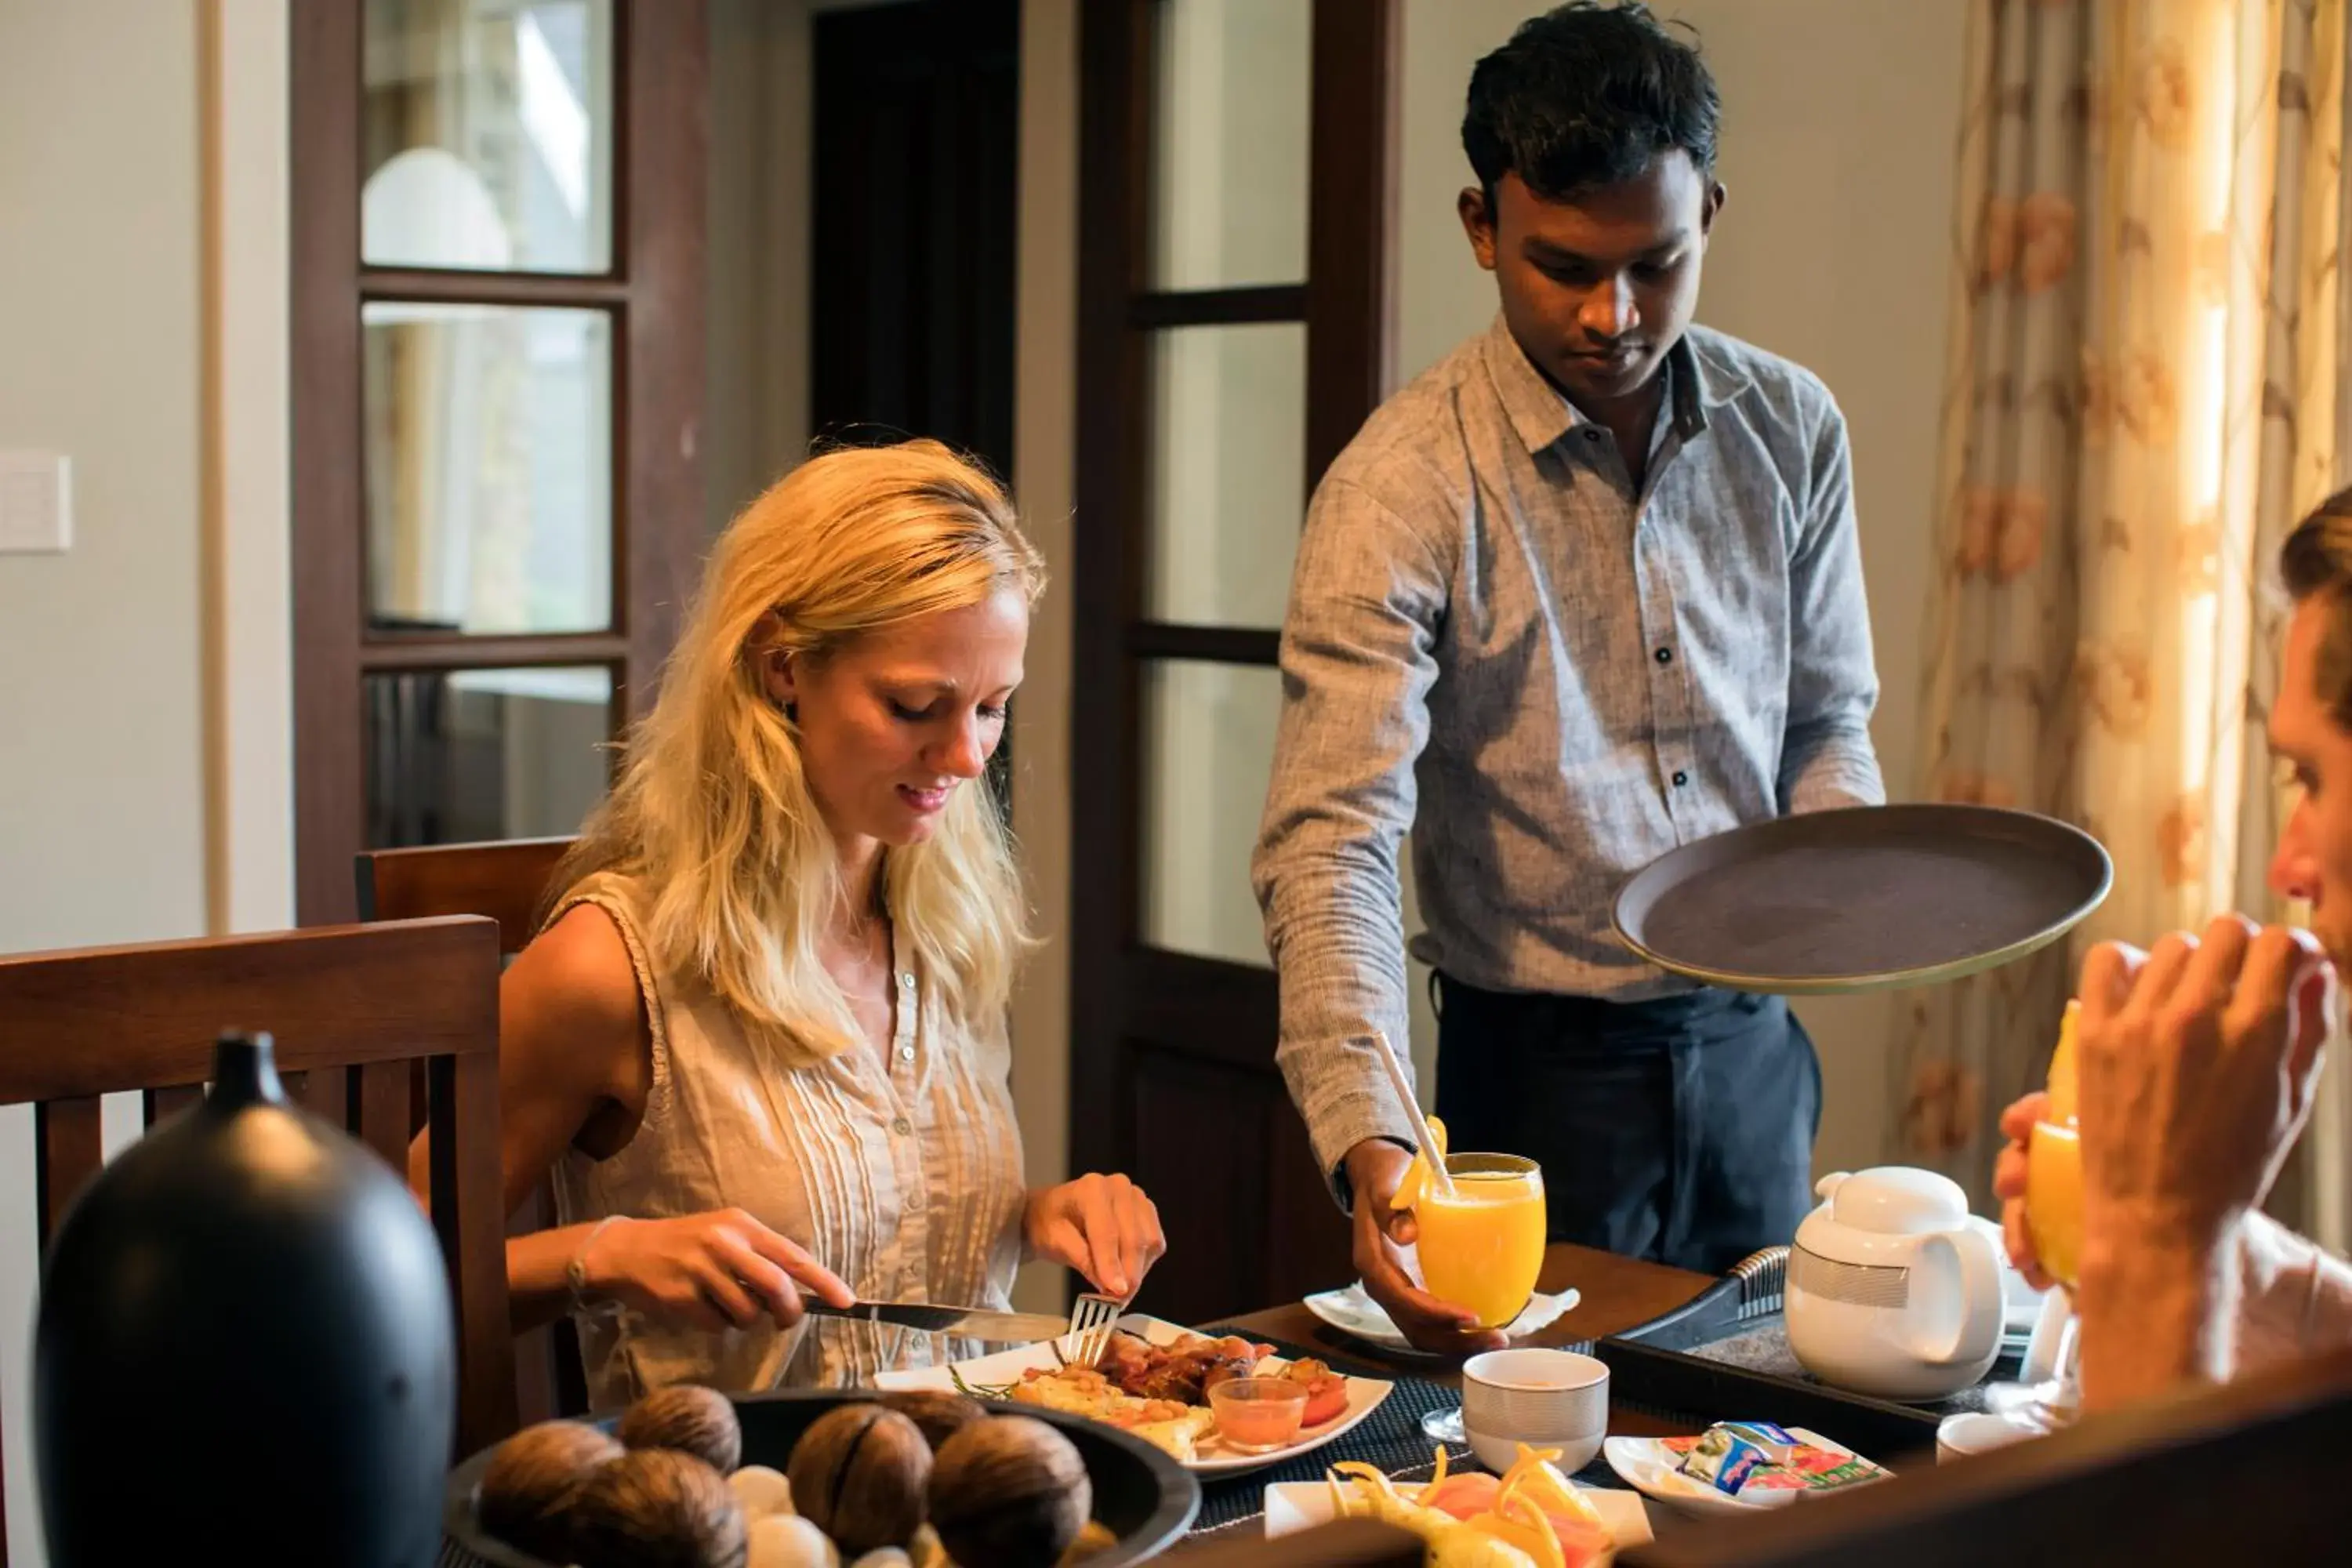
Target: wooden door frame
[(1119, 988), (653, 289)]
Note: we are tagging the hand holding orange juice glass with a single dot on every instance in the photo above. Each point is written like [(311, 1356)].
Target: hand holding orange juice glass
[(2054, 1168), (1482, 1244), (1480, 1237)]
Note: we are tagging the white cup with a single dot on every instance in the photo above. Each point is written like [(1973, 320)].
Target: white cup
[(1544, 1398)]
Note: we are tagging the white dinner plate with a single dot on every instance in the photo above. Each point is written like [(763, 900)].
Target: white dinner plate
[(1364, 1394)]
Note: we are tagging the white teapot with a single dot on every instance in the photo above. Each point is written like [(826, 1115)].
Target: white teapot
[(1894, 1288)]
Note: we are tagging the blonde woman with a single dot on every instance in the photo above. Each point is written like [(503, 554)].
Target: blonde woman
[(761, 1039)]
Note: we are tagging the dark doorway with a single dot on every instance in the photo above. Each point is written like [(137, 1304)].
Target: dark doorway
[(916, 193)]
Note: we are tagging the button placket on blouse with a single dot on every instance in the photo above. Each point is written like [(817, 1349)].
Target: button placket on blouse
[(905, 1154)]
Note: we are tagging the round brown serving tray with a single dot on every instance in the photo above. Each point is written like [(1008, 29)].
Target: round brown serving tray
[(1141, 1495), (1863, 898)]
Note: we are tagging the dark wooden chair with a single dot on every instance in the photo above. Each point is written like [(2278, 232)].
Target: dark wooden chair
[(504, 880), (351, 1008), (507, 881)]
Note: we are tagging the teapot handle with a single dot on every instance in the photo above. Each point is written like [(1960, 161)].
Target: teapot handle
[(1977, 1264)]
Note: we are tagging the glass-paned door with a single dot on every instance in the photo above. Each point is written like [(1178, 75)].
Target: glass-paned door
[(497, 223), (1231, 335)]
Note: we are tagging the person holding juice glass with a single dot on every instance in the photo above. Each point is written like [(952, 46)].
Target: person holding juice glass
[(2194, 1067), (1586, 590)]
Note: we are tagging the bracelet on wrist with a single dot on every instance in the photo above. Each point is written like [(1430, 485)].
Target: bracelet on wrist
[(575, 1273)]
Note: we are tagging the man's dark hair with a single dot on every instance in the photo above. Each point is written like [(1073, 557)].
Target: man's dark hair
[(1587, 95), (2315, 563)]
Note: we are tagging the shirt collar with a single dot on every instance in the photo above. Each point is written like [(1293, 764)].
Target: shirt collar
[(1541, 415)]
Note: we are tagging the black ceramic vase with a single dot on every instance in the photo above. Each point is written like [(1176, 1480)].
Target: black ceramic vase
[(244, 1351)]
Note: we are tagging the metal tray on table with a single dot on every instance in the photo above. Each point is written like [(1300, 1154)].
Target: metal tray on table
[(1652, 1374)]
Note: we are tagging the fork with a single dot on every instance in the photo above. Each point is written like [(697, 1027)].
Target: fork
[(1092, 1318)]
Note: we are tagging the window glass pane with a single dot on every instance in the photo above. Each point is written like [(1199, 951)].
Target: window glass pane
[(489, 463), (1228, 146), (1208, 749), (453, 756), (1228, 471), (489, 133)]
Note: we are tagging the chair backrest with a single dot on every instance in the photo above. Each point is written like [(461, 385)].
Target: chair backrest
[(504, 879), (351, 1008)]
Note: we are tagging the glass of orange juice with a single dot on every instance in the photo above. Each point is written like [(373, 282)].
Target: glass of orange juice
[(2054, 1200), (1481, 1247), (2051, 1390)]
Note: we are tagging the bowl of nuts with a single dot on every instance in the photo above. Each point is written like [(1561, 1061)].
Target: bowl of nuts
[(687, 1477)]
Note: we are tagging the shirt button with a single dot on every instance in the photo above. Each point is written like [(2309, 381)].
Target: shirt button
[(1665, 656), (906, 980), (902, 1127), (914, 1202), (906, 1053), (1681, 778), (1590, 434)]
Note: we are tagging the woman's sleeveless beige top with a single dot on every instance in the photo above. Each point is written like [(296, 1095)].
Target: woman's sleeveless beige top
[(901, 1173)]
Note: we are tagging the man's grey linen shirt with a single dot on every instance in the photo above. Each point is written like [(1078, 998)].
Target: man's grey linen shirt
[(1494, 643)]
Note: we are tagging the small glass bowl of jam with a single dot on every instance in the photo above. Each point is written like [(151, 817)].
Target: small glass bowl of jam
[(1255, 1414)]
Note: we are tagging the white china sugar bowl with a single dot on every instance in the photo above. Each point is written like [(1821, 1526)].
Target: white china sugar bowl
[(1894, 1288)]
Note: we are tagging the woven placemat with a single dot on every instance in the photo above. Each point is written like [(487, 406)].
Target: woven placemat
[(1389, 1439)]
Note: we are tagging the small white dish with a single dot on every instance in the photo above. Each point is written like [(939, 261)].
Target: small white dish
[(1980, 1432), (1648, 1466), (1294, 1505), (1649, 1470), (1354, 1312), (1364, 1394)]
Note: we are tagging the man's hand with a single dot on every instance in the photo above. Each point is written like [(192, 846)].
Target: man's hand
[(2009, 1185), (1375, 1166), (2198, 1064)]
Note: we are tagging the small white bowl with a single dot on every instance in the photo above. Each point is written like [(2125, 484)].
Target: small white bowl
[(1535, 1395)]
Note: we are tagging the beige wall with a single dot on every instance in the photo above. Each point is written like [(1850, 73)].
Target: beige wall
[(101, 804), (101, 759), (1839, 118)]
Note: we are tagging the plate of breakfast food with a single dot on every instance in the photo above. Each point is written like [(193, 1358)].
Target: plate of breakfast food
[(1220, 1406)]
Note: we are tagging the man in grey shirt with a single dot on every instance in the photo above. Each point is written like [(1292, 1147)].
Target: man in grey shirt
[(1587, 590)]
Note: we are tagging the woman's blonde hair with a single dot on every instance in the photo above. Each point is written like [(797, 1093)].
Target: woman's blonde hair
[(713, 812)]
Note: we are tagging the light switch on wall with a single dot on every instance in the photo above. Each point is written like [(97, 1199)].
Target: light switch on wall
[(36, 501)]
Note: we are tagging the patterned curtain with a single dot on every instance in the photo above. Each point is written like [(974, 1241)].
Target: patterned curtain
[(2141, 397)]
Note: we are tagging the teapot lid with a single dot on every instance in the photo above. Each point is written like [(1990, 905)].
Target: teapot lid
[(1895, 1200)]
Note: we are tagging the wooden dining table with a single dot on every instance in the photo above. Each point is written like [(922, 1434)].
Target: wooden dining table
[(1614, 1294)]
